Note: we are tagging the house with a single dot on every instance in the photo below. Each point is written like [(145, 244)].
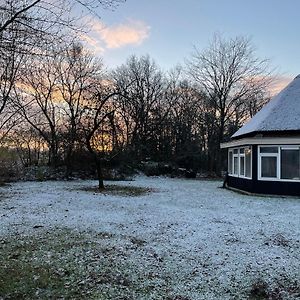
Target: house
[(264, 154)]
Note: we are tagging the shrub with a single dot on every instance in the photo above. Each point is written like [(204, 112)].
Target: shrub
[(10, 166)]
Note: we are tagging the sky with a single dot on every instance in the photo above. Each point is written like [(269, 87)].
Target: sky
[(168, 30)]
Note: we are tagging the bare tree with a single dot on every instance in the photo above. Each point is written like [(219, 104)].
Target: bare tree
[(22, 36), (77, 74), (51, 12), (10, 62), (231, 75), (140, 84), (162, 140), (98, 117), (36, 101)]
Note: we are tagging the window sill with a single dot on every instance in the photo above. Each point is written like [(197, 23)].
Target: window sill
[(242, 177), (279, 180)]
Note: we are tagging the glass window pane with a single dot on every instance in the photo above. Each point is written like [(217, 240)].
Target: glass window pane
[(242, 150), (248, 162), (235, 165), (269, 166), (230, 160), (268, 149), (242, 166), (290, 164), (236, 151)]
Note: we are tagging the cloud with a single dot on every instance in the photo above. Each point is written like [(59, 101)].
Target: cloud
[(92, 43), (101, 36), (130, 33)]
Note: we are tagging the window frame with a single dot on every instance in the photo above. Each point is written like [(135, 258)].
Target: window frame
[(238, 156), (278, 162), (259, 160), (235, 155)]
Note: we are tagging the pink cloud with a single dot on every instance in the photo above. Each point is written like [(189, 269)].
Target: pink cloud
[(92, 43), (101, 36), (131, 33)]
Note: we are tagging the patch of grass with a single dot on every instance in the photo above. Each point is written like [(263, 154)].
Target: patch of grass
[(36, 267), (281, 288), (67, 265), (119, 190), (3, 194), (259, 290)]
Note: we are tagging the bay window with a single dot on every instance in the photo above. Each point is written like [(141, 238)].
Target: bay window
[(239, 162)]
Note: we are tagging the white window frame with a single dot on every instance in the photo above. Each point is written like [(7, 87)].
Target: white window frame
[(278, 162), (238, 156), (251, 161), (288, 147), (276, 155)]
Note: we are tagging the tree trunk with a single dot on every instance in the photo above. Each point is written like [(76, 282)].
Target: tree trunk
[(68, 162), (53, 156), (97, 163), (99, 173), (219, 151)]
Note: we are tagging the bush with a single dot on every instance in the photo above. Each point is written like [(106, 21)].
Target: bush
[(152, 168), (10, 166)]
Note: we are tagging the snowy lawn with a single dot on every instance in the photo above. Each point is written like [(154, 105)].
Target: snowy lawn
[(174, 239)]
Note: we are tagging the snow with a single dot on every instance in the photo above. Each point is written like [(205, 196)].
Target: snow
[(281, 113), (217, 236)]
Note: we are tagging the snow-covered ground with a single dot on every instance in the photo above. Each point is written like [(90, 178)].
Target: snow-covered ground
[(212, 243)]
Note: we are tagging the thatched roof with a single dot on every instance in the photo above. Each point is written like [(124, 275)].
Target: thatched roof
[(281, 114)]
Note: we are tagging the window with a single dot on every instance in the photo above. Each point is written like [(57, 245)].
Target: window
[(268, 161), (269, 166), (239, 162), (268, 149), (279, 163), (230, 161), (290, 162), (235, 163), (248, 165), (242, 165), (242, 161)]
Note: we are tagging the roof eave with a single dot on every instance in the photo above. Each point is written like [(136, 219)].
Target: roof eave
[(262, 140)]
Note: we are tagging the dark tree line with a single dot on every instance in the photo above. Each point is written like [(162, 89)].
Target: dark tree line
[(57, 99)]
